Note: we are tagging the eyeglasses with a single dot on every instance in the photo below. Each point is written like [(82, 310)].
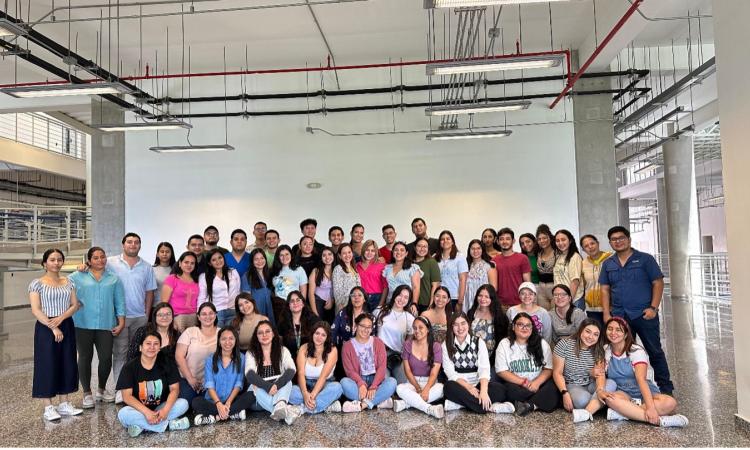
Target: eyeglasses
[(618, 239), (524, 326)]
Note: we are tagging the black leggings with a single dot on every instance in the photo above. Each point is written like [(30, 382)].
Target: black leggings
[(85, 341), (208, 408), (546, 399), (457, 394)]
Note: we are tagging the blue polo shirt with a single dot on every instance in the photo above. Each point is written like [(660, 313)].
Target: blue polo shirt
[(225, 380), (136, 280), (630, 285), (241, 266)]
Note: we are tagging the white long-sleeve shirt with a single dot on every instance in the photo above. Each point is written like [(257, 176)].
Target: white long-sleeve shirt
[(223, 296), (483, 363)]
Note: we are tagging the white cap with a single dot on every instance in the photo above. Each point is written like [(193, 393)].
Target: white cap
[(527, 285)]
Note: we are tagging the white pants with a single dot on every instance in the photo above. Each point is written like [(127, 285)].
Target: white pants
[(408, 394)]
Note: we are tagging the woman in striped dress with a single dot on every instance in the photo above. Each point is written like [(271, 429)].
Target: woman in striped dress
[(53, 302)]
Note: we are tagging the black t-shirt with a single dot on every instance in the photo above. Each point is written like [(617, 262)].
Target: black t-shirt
[(150, 387), (433, 246), (308, 263)]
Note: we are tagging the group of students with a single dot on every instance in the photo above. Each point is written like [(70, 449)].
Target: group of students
[(432, 330)]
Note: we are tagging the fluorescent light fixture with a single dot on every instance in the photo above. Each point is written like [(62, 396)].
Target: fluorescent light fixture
[(476, 108), (492, 65), (10, 28), (192, 148), (467, 135), (60, 90), (429, 4), (145, 126)]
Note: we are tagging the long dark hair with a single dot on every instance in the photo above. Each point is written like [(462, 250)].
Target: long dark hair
[(320, 270), (572, 246), (339, 262), (494, 239), (211, 273), (238, 316), (569, 314), (90, 253), (257, 350), (236, 353), (388, 307), (534, 344), (485, 256), (208, 305), (534, 250), (430, 340), (327, 345), (177, 270), (252, 274), (454, 248), (407, 259), (500, 322), (171, 330), (597, 350), (448, 307), (349, 308), (161, 360), (544, 229), (277, 266), (287, 322), (157, 261), (627, 335), (450, 344)]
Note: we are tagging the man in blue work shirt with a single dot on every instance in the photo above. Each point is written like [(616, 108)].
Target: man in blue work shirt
[(632, 287)]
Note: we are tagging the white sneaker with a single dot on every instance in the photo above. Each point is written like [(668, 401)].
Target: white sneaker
[(201, 419), (351, 406), (677, 420), (88, 401), (581, 415), (106, 396), (503, 408), (399, 405), (50, 413), (292, 413), (386, 404), (334, 407), (118, 398), (279, 411), (451, 406), (66, 409), (436, 411), (242, 415), (614, 415), (636, 401)]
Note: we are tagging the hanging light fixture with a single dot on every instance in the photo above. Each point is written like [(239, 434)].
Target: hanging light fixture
[(192, 148), (430, 4), (468, 135), (145, 126), (494, 65), (61, 90), (475, 108)]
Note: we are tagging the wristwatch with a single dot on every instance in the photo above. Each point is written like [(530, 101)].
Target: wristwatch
[(563, 392)]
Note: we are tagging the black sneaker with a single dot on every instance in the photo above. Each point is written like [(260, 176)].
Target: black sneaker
[(523, 408)]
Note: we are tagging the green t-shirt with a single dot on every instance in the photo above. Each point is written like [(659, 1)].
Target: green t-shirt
[(534, 269), (431, 274)]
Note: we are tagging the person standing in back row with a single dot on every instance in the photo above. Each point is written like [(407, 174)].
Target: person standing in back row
[(632, 286), (512, 269), (419, 228)]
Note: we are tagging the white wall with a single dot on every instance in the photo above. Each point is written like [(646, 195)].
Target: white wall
[(464, 186), (713, 223)]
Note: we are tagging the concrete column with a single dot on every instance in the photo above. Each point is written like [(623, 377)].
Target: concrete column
[(107, 179), (623, 212), (733, 65), (596, 171), (663, 217), (683, 230)]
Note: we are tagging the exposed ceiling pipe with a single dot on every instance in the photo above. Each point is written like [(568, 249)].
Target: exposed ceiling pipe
[(247, 114), (637, 74), (633, 8)]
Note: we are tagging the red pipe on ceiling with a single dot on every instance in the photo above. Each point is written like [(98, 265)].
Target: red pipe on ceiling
[(571, 82), (304, 69)]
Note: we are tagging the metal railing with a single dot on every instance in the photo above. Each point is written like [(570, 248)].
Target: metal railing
[(709, 276), (42, 132), (28, 228)]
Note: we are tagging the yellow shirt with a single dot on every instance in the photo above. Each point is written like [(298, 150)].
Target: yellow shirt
[(593, 291)]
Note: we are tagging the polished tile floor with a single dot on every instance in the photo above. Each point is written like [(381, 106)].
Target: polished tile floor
[(698, 341)]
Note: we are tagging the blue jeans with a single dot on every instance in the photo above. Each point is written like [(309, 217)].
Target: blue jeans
[(187, 392), (266, 401), (383, 393), (330, 393), (580, 304), (648, 330), (131, 416), (373, 300), (225, 317)]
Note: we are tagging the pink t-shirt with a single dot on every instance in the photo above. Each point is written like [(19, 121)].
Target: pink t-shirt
[(184, 298), (371, 279)]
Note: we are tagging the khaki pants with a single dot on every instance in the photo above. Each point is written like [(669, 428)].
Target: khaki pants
[(185, 321), (544, 295)]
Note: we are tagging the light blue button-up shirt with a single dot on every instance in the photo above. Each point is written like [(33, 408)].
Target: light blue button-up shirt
[(136, 280), (102, 302), (225, 380)]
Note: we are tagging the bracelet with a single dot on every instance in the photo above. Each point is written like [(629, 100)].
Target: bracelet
[(563, 392), (217, 402)]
